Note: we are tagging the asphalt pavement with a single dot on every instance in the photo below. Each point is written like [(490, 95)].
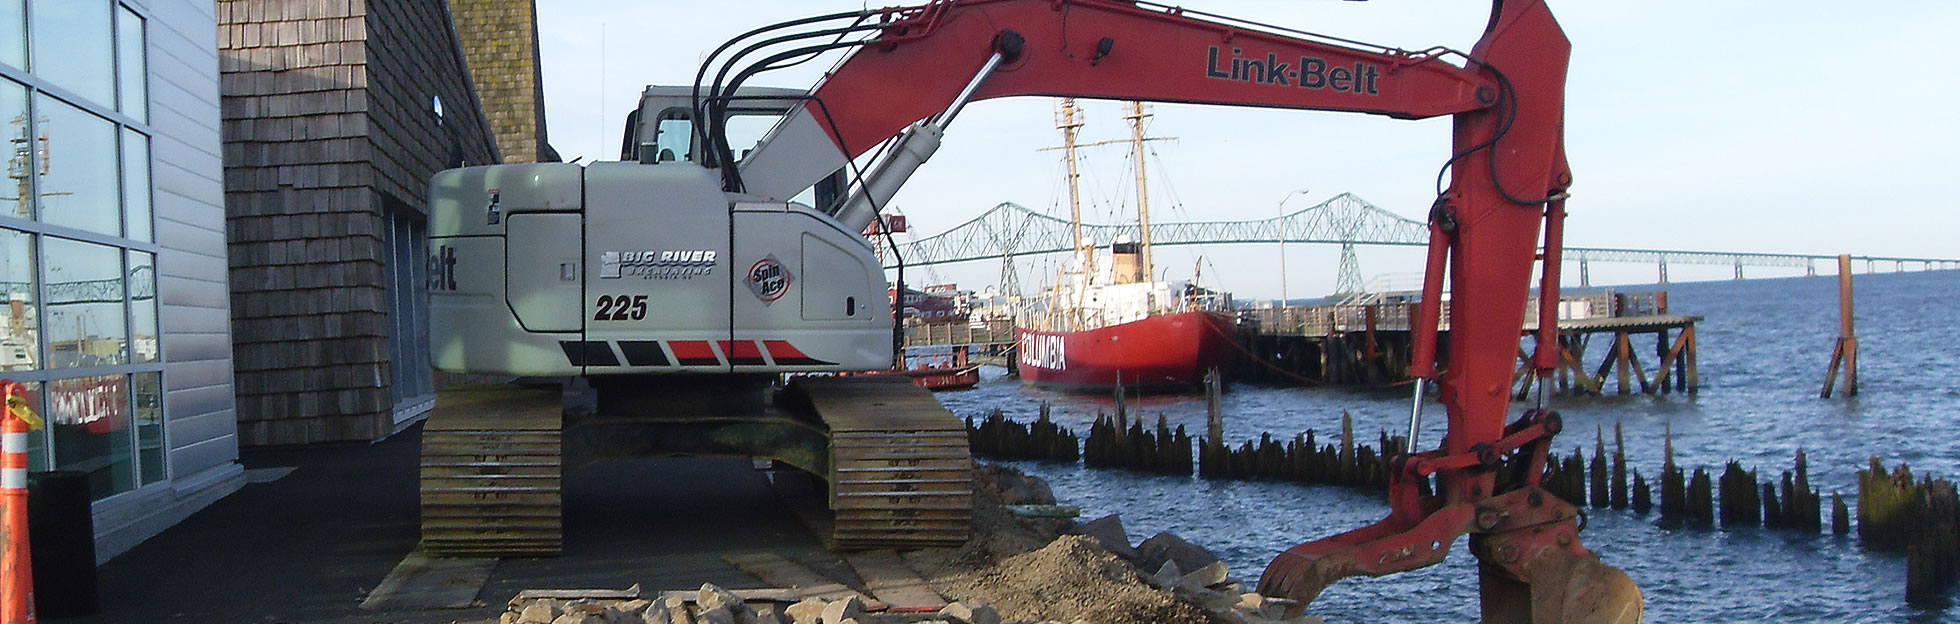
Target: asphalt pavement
[(308, 546)]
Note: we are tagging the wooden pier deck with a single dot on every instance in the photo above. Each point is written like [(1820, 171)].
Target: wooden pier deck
[(1368, 344)]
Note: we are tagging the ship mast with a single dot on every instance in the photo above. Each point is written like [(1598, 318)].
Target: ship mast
[(1069, 121), (1136, 118)]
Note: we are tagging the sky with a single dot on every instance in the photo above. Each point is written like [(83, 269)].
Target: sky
[(1796, 126)]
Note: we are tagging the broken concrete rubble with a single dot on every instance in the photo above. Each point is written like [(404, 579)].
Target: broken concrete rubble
[(1162, 547), (1014, 571)]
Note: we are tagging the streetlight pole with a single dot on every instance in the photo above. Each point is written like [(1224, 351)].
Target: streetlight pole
[(1281, 238)]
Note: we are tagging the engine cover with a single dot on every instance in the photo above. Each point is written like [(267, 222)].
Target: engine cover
[(625, 268)]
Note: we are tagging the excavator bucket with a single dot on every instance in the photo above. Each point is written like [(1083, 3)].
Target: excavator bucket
[(1533, 569)]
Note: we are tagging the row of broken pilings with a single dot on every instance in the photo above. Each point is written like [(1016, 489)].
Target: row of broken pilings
[(1921, 518), (1895, 513), (1303, 459), (1691, 498), (1041, 439), (1686, 498), (1163, 450)]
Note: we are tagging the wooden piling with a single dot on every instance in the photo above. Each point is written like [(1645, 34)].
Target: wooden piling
[(1347, 448), (1643, 501), (1601, 499), (1122, 419), (1845, 353), (1806, 506), (1572, 484), (1700, 503), (1214, 411), (1840, 516), (1772, 510), (1933, 558), (1740, 505), (1619, 468), (1673, 487), (1886, 505)]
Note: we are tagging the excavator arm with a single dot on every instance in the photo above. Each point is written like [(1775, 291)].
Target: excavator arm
[(1507, 185)]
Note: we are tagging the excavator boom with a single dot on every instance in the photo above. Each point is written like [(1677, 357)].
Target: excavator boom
[(1507, 186)]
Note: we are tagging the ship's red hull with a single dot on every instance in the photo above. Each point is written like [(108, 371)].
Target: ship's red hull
[(1160, 352)]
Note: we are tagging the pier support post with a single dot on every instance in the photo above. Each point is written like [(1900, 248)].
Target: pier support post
[(1845, 354)]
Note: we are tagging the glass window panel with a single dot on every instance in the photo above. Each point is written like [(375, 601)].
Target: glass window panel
[(83, 295), (13, 33), (20, 338), (37, 441), (143, 307), (149, 426), (76, 51), (77, 173), (13, 112), (90, 420), (131, 66), (136, 184)]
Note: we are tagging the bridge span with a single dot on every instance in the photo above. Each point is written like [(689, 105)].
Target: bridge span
[(1009, 229)]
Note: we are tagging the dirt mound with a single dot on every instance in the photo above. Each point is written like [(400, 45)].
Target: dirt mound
[(1071, 578)]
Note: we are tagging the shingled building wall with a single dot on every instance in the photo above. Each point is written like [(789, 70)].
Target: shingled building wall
[(500, 38), (330, 136)]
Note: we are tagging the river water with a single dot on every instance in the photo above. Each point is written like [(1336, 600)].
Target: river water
[(1764, 345)]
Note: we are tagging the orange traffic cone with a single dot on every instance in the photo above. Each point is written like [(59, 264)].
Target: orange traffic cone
[(16, 571)]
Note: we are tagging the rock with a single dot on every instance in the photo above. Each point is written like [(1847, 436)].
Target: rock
[(543, 611), (635, 605), (1017, 488), (1162, 547), (1213, 602), (806, 611), (671, 610), (1109, 530), (585, 606), (509, 617), (710, 597), (769, 613), (963, 613), (840, 610), (579, 618), (657, 613), (1213, 573), (1167, 575)]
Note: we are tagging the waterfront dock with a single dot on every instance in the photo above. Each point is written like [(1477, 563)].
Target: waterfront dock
[(1366, 342)]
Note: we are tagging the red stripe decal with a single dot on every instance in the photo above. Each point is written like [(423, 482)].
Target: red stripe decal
[(741, 350), (694, 352), (13, 460), (785, 353), (782, 349)]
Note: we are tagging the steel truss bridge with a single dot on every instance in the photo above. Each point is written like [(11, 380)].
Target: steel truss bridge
[(1009, 230)]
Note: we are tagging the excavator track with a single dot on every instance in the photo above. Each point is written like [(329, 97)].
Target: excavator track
[(900, 471), (492, 473)]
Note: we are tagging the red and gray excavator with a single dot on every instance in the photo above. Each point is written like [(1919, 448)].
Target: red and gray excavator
[(683, 282)]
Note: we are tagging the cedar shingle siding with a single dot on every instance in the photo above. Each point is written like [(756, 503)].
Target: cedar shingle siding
[(500, 38), (329, 132)]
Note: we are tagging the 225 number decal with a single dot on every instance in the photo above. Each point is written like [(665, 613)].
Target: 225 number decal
[(621, 308)]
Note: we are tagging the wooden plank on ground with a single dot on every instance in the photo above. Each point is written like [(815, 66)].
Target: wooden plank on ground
[(421, 581), (575, 594), (780, 572), (766, 594), (892, 583)]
